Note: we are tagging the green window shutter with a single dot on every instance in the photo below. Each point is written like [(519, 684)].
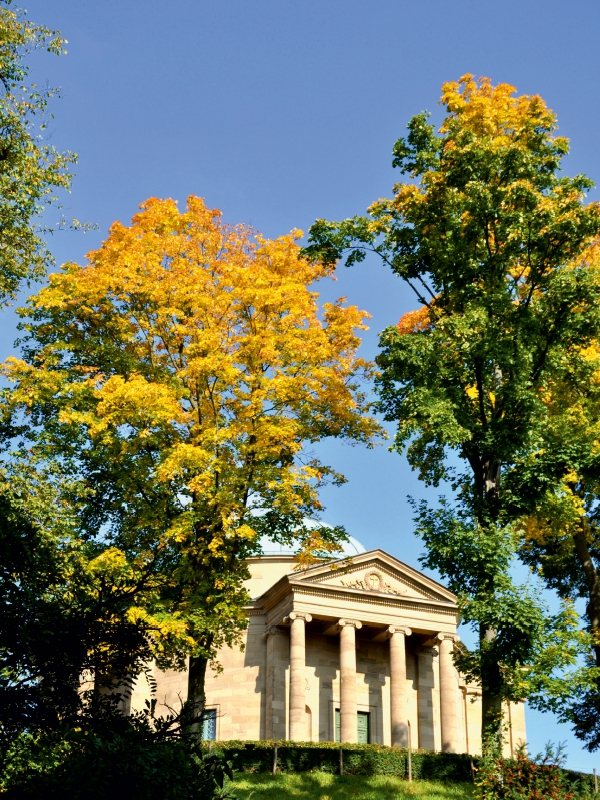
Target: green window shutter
[(363, 727)]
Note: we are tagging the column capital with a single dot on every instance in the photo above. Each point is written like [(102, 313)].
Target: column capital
[(445, 637), (298, 615), (350, 623), (399, 629)]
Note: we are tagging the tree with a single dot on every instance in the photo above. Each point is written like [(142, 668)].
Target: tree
[(559, 479), (181, 375), (65, 606), (52, 622), (494, 243), (30, 170)]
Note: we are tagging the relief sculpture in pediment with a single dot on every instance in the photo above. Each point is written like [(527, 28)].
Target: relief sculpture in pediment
[(373, 581)]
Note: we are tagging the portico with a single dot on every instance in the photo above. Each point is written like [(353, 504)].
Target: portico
[(385, 612), (358, 649), (399, 716)]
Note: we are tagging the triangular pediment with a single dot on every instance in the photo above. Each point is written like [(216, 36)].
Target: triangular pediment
[(378, 573)]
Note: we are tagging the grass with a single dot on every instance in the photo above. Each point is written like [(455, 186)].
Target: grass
[(323, 786)]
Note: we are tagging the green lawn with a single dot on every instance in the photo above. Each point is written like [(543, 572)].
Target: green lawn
[(322, 786)]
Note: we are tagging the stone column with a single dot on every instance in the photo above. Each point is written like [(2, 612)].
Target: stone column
[(398, 685), (448, 694), (348, 716), (426, 685), (278, 658), (298, 676)]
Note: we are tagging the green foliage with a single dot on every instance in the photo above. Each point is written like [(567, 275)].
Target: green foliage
[(558, 481), (131, 763), (499, 249), (30, 170), (359, 759), (435, 774), (540, 652), (65, 608)]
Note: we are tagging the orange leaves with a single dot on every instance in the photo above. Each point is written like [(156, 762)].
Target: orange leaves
[(414, 321), (184, 371)]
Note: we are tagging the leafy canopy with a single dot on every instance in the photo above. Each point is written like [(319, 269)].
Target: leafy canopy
[(181, 375), (559, 480), (499, 248), (494, 242), (65, 607)]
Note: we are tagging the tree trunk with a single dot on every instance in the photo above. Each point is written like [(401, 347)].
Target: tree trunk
[(491, 674), (593, 583), (196, 690), (491, 689)]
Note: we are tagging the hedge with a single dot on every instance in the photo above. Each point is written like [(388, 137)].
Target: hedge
[(359, 759), (579, 781)]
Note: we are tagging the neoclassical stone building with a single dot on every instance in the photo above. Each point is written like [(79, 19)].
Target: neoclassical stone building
[(355, 650)]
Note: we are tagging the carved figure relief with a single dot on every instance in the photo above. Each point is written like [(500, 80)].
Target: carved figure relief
[(373, 581)]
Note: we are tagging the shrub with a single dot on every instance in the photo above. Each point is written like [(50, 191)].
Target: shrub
[(359, 759), (127, 765), (524, 778)]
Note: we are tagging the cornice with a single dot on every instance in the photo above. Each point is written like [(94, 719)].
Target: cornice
[(254, 611), (283, 591)]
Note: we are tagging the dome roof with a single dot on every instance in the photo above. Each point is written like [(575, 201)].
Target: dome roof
[(270, 548)]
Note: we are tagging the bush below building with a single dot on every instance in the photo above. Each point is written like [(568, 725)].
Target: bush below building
[(367, 760), (357, 759)]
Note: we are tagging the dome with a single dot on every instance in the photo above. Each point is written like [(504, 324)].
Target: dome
[(270, 548)]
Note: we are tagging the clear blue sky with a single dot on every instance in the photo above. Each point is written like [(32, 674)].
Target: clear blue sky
[(282, 112)]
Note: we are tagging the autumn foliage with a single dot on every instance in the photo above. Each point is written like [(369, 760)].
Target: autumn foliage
[(414, 321), (182, 373)]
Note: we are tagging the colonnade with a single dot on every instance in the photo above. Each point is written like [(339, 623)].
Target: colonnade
[(348, 691)]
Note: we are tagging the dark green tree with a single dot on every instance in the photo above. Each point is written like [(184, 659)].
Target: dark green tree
[(64, 608), (494, 242)]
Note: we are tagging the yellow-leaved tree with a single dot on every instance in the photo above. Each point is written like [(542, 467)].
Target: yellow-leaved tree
[(559, 480), (183, 374)]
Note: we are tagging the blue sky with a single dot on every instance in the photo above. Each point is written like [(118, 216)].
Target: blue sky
[(282, 112)]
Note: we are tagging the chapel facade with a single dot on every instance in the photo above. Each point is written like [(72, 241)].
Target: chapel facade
[(354, 650)]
